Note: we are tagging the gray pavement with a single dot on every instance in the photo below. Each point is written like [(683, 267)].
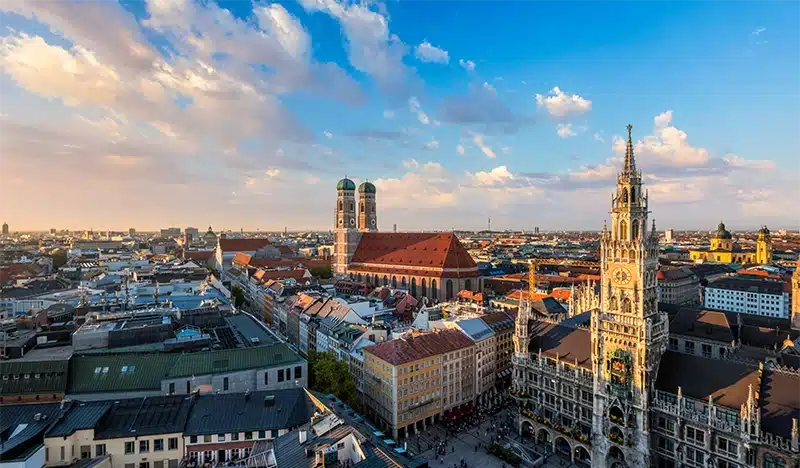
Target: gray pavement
[(465, 446)]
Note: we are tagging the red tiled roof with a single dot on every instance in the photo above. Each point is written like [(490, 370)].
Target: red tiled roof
[(419, 346), (241, 258), (285, 250), (517, 293), (470, 295), (242, 245), (204, 255), (298, 274), (418, 249), (561, 294), (289, 262)]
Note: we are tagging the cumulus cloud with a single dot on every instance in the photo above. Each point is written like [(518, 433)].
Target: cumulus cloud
[(560, 104), (468, 65), (427, 52), (371, 47)]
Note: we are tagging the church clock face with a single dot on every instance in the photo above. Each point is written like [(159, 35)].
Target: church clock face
[(352, 222), (621, 276)]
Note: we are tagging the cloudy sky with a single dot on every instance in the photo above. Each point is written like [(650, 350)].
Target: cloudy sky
[(244, 115)]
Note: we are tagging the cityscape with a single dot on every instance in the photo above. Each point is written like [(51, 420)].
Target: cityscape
[(515, 274)]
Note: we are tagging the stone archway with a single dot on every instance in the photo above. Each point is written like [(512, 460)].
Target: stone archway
[(544, 437), (526, 429), (615, 458), (563, 447), (582, 456)]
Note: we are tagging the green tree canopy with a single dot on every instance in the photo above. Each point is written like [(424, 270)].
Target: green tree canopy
[(238, 296), (330, 375)]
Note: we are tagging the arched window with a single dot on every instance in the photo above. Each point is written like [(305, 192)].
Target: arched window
[(352, 208), (624, 196), (626, 305), (634, 229), (448, 290), (614, 304), (358, 278), (361, 207), (414, 287), (403, 283), (340, 205), (434, 290), (623, 230), (385, 280), (468, 284), (394, 281), (424, 288)]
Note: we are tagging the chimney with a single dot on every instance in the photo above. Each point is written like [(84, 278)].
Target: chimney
[(303, 434)]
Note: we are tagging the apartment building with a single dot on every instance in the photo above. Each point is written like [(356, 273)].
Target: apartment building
[(749, 295), (503, 326), (678, 286), (409, 382), (485, 357)]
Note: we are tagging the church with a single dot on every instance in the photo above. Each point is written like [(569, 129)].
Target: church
[(724, 250), (430, 265), (636, 389)]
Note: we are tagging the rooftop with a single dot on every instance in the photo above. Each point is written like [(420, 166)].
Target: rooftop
[(239, 412), (423, 250), (144, 416), (416, 346), (28, 377), (700, 323), (780, 401), (242, 245), (749, 284), (567, 344)]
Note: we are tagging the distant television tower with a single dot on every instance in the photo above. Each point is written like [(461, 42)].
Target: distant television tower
[(394, 228), (490, 224)]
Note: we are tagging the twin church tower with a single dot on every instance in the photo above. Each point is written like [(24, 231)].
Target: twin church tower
[(351, 220)]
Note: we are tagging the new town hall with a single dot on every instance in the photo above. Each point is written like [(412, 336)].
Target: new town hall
[(635, 389)]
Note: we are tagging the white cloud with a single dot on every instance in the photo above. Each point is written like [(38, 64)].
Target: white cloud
[(414, 105), (426, 52), (371, 47), (565, 130), (560, 104), (668, 146), (751, 164), (411, 164), (486, 149), (328, 134), (663, 119), (273, 173), (496, 176), (489, 87), (460, 150), (468, 65), (431, 145)]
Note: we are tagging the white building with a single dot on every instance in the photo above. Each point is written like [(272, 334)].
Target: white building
[(749, 295)]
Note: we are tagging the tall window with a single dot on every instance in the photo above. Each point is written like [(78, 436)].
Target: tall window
[(434, 290), (449, 289), (414, 287), (623, 230), (468, 285), (635, 230), (424, 288), (624, 196)]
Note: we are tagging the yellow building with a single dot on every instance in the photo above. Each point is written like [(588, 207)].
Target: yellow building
[(724, 250), (406, 385), (796, 297)]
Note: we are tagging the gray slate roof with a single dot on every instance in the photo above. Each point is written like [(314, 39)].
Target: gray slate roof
[(218, 414), (82, 415), (13, 417)]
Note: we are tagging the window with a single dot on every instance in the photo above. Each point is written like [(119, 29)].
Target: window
[(266, 378), (86, 451), (207, 438), (280, 375), (144, 465), (667, 424), (772, 461), (695, 435), (727, 447), (188, 387), (694, 456), (172, 388), (220, 437), (673, 344), (666, 445), (47, 454), (193, 439), (172, 443), (235, 436), (63, 449), (688, 347), (298, 372), (158, 445), (129, 448), (248, 435), (225, 384), (262, 434), (706, 349), (144, 446)]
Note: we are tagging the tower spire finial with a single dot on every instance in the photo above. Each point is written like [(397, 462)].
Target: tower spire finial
[(630, 162)]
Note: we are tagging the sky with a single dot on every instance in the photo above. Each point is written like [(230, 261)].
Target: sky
[(244, 115)]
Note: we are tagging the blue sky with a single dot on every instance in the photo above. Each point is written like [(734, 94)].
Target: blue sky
[(244, 115)]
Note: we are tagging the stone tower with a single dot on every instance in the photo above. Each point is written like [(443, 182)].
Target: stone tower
[(521, 338), (764, 247), (367, 208), (628, 334), (346, 236), (796, 297)]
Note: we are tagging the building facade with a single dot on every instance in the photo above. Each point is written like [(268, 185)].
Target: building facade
[(678, 286), (796, 297), (749, 295), (724, 250), (613, 395)]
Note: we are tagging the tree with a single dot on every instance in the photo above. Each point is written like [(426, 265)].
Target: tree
[(59, 258), (323, 272), (329, 375), (238, 296)]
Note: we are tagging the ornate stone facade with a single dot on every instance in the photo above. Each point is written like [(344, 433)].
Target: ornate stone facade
[(612, 395)]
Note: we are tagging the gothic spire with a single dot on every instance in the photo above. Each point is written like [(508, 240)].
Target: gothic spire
[(630, 162)]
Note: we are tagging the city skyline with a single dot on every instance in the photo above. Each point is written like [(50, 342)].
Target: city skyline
[(156, 114)]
